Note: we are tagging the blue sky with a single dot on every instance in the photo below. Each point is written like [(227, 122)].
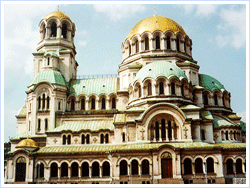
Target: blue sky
[(218, 33)]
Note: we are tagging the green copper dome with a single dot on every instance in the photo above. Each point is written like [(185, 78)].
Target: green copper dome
[(50, 76), (159, 69), (210, 83)]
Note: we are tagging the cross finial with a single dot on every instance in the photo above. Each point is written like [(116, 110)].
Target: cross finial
[(57, 7), (155, 11)]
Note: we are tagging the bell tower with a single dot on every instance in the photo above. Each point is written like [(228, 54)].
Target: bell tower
[(56, 49)]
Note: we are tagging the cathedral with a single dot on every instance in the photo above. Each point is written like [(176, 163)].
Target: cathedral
[(159, 121)]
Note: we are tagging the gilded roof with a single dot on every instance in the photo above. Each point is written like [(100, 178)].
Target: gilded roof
[(156, 23), (78, 126), (159, 69), (95, 86), (27, 143), (57, 14), (50, 76), (210, 83)]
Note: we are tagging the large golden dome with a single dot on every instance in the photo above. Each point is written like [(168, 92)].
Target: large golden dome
[(27, 143), (156, 23), (57, 14)]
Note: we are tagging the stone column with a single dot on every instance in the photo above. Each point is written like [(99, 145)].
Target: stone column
[(166, 130), (59, 172), (79, 172), (90, 172), (193, 168), (162, 47), (47, 34), (160, 133), (154, 130), (69, 172), (69, 38), (100, 171), (129, 170), (204, 167), (151, 44), (139, 169), (59, 32)]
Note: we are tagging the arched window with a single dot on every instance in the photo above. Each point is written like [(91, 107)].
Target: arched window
[(40, 170), (157, 130), (161, 88), (39, 125), (123, 167), (223, 100), (157, 43), (168, 43), (229, 165), (123, 137), (102, 138), (227, 137), (210, 165), (92, 104), (72, 104), (39, 102), (188, 166), (136, 46), (87, 139), (215, 100), (54, 170), (178, 44), (83, 139), (172, 88), (69, 139), (59, 105), (83, 104), (103, 103), (48, 61), (64, 31), (182, 90), (163, 129), (95, 169), (114, 103), (149, 89), (46, 124), (106, 138), (205, 99), (146, 43), (64, 139), (64, 170), (53, 30), (106, 169), (145, 167), (74, 170), (129, 49), (203, 137), (43, 101), (134, 167), (198, 166), (239, 166), (184, 46), (139, 91), (169, 130), (85, 169)]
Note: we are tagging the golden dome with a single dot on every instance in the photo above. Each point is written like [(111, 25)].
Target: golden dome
[(27, 143), (58, 14), (156, 23)]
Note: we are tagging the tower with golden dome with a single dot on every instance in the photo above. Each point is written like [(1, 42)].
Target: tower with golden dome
[(159, 122)]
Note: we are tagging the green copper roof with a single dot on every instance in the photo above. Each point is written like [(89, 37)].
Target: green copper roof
[(22, 112), (243, 126), (49, 76), (190, 107), (95, 86), (232, 145), (218, 122), (78, 126), (24, 135), (210, 83), (159, 68), (51, 53), (206, 115)]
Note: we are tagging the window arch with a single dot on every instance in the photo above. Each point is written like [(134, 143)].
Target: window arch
[(103, 103), (168, 43), (106, 169), (146, 43), (210, 165), (92, 104), (157, 43), (53, 30), (64, 139), (134, 169), (69, 139), (64, 169), (85, 169), (82, 104), (74, 170), (239, 166), (54, 170), (198, 166), (64, 31), (172, 88), (188, 166), (161, 88), (40, 170), (123, 167), (149, 89), (113, 103), (136, 46), (95, 169), (145, 167), (229, 165), (72, 104)]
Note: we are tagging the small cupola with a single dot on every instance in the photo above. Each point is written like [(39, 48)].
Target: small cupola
[(51, 60), (27, 144)]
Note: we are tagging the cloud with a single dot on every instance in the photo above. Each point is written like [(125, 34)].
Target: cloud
[(119, 11), (82, 43), (204, 10), (242, 115), (221, 40)]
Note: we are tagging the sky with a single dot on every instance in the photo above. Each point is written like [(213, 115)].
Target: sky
[(218, 33)]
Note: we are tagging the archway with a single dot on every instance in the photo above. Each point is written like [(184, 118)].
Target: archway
[(20, 169), (166, 165)]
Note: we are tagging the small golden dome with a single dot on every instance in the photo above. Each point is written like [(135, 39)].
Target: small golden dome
[(58, 14), (156, 23), (27, 143)]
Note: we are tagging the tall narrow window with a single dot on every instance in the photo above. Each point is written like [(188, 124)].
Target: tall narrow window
[(215, 100), (157, 42), (47, 102), (178, 44), (146, 44), (103, 103), (129, 49), (139, 91), (83, 104), (184, 46), (39, 125), (205, 98), (136, 46), (46, 124), (203, 135), (198, 165), (182, 90), (87, 139), (64, 139), (92, 104), (161, 88), (83, 139), (163, 129), (48, 61), (169, 130), (157, 130), (72, 104), (69, 139), (168, 43), (123, 137), (43, 101), (223, 100), (188, 166), (149, 89), (102, 139), (173, 88), (134, 169), (106, 138), (39, 102), (113, 103), (64, 31), (59, 105), (210, 165), (53, 29)]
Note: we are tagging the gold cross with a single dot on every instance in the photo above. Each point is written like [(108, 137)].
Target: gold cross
[(57, 7), (55, 140), (185, 132), (76, 140)]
